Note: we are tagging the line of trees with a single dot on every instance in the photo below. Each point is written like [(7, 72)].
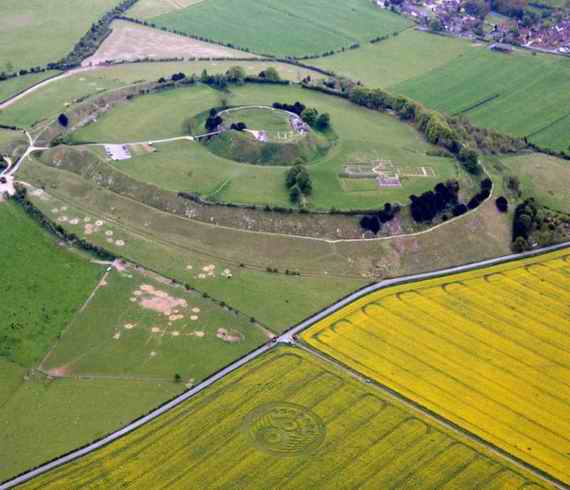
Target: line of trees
[(296, 108), (91, 40)]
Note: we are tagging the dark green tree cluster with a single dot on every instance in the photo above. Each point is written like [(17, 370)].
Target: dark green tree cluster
[(373, 222), (299, 183), (318, 121), (213, 121), (236, 74), (270, 74), (427, 206), (484, 193)]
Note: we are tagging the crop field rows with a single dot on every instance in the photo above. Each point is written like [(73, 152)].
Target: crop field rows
[(486, 349), (315, 425)]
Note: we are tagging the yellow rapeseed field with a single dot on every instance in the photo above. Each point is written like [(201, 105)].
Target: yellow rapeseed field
[(488, 349), (289, 420)]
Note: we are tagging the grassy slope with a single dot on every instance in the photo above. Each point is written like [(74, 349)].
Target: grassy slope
[(90, 346), (154, 116), (259, 119), (168, 244), (11, 376), (542, 176), (408, 55), (64, 414), (50, 100), (33, 34), (58, 280), (12, 143), (265, 26), (363, 135), (532, 91), (15, 85)]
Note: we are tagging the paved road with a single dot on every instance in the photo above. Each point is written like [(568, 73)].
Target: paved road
[(286, 338)]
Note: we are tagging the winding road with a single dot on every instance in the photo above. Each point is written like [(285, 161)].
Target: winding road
[(287, 338)]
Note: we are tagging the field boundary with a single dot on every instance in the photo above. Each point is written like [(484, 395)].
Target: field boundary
[(288, 337)]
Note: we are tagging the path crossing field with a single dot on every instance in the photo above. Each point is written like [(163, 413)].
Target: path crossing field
[(486, 349), (289, 420)]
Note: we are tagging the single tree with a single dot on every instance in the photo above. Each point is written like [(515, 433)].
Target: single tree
[(235, 74), (502, 204), (270, 74), (63, 120), (310, 116)]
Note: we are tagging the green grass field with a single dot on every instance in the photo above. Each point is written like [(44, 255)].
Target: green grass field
[(543, 177), (518, 94), (403, 57), (139, 327), (364, 137), (12, 143), (53, 99), (259, 119), (155, 116), (13, 86), (291, 420), (265, 26), (145, 9), (33, 34), (44, 419), (59, 282), (169, 244)]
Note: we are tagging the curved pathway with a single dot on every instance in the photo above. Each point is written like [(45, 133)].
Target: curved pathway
[(15, 98), (288, 337)]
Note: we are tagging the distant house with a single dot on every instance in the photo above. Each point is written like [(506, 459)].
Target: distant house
[(502, 47)]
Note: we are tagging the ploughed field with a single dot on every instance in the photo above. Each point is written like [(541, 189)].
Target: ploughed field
[(486, 349), (289, 420)]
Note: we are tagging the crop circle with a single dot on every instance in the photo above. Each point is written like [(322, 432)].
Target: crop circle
[(284, 429)]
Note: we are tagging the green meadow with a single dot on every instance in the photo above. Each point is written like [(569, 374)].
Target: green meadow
[(360, 136), (265, 26), (33, 35), (518, 94), (35, 266)]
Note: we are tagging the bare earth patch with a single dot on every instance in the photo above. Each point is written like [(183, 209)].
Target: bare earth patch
[(159, 301), (130, 41), (226, 336)]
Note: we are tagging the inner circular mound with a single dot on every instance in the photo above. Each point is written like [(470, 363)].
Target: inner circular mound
[(263, 135)]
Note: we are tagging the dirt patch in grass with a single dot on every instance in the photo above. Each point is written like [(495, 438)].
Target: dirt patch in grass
[(228, 336), (130, 41), (159, 301)]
